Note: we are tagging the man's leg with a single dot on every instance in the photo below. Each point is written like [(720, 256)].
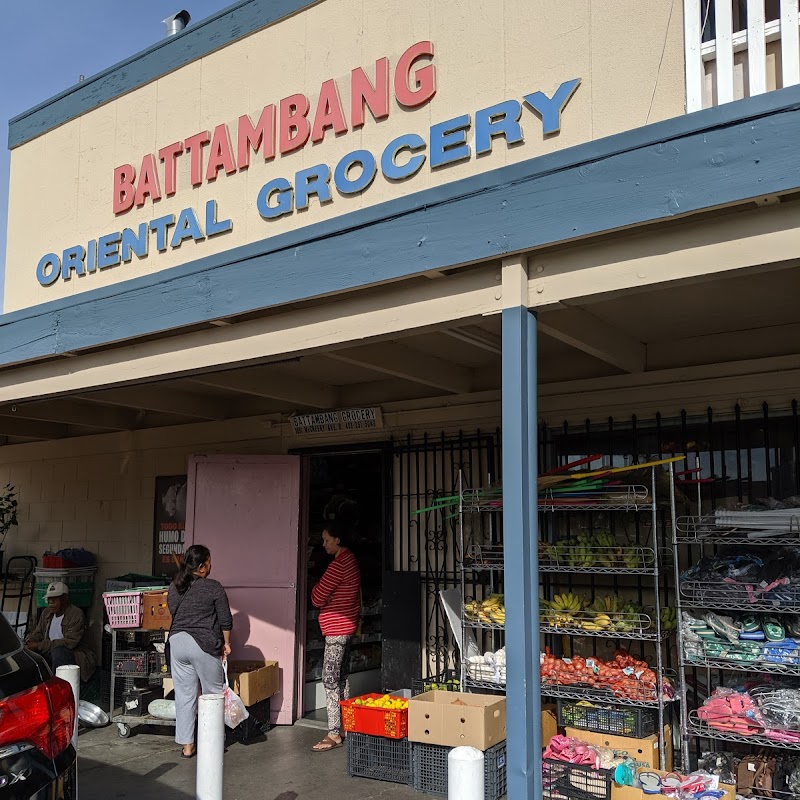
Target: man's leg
[(61, 657)]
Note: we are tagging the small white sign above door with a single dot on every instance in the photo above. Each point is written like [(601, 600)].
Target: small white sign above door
[(349, 419)]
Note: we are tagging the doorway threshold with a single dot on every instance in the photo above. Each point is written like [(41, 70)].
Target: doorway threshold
[(315, 719)]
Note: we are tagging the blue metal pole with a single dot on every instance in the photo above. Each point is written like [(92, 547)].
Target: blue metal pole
[(520, 532)]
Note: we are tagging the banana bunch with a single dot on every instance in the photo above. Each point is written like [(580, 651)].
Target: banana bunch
[(489, 611), (568, 602), (599, 622), (669, 619)]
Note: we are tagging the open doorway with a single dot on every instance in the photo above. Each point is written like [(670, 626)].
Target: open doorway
[(347, 487)]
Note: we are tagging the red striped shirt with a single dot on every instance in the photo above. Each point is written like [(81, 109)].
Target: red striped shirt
[(338, 596)]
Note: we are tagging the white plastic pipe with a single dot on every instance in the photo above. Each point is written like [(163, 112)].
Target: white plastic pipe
[(465, 776), (210, 746), (72, 675)]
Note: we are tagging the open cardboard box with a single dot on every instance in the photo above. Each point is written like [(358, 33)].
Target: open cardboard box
[(630, 793), (254, 681), (643, 751), (455, 719)]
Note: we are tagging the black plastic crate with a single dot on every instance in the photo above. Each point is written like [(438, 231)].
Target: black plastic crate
[(131, 662), (447, 682), (429, 768), (256, 726), (562, 781), (638, 723), (378, 758), (158, 665)]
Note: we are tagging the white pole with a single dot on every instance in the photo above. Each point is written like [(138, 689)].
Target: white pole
[(210, 746), (465, 776), (72, 675)]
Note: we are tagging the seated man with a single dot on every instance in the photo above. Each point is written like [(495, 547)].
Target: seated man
[(59, 632)]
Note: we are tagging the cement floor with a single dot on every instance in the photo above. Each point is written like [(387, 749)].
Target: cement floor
[(147, 766)]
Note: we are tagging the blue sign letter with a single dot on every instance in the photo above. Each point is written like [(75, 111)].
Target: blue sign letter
[(312, 181), (550, 109), (389, 166), (161, 226), (361, 158), (449, 141), (72, 261), (499, 120), (187, 227), (108, 250), (43, 269), (213, 227), (280, 187)]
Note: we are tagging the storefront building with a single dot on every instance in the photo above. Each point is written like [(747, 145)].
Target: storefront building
[(324, 256)]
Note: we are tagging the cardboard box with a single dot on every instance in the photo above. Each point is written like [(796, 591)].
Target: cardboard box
[(643, 751), (455, 719), (169, 688), (629, 793), (254, 681), (549, 724), (155, 612)]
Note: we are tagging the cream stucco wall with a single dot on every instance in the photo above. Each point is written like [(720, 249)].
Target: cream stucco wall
[(629, 56)]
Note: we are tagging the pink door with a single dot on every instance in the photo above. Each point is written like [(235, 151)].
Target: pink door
[(245, 510)]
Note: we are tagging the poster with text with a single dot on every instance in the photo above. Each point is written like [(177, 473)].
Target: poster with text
[(170, 524)]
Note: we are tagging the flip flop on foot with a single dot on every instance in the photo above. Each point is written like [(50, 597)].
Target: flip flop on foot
[(328, 743), (191, 754)]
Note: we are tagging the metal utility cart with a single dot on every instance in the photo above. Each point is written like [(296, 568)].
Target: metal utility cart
[(138, 665)]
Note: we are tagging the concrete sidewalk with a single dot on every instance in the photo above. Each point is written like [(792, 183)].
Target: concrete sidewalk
[(147, 766)]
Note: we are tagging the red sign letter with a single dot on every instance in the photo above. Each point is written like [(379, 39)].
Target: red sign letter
[(424, 80), (194, 146), (148, 181), (169, 157), (221, 155), (124, 177), (363, 93), (329, 112), (294, 127), (263, 133)]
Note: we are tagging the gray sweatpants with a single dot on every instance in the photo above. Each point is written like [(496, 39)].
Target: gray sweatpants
[(192, 668)]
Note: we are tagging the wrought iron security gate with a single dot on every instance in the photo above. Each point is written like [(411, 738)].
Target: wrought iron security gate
[(426, 542), (748, 455)]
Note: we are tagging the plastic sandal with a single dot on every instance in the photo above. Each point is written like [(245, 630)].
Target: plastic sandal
[(651, 782), (773, 629)]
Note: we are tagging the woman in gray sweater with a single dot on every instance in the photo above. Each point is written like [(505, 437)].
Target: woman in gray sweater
[(199, 639)]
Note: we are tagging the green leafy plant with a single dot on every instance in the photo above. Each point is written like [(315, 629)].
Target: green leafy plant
[(8, 511)]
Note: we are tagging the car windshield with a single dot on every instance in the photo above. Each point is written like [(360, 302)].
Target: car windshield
[(9, 641)]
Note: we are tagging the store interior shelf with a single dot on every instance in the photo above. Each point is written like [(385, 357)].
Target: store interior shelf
[(701, 730), (491, 686), (486, 626), (483, 558), (730, 597), (595, 696), (742, 528), (639, 635), (754, 667)]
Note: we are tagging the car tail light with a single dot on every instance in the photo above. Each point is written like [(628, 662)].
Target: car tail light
[(43, 716)]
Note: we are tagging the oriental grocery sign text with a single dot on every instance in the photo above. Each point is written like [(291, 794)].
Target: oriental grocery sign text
[(288, 127)]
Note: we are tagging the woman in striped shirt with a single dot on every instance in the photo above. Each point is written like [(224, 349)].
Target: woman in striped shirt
[(338, 598)]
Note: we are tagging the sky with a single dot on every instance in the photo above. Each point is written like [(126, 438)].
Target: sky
[(48, 44)]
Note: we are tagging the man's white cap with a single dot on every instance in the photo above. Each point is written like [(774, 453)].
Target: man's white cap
[(56, 590)]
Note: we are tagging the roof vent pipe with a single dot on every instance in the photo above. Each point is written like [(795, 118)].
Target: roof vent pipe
[(177, 22)]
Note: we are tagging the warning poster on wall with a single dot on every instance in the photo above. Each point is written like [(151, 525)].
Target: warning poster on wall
[(170, 524)]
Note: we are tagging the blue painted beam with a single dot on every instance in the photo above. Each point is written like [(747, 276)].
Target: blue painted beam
[(709, 159), (198, 40), (521, 554)]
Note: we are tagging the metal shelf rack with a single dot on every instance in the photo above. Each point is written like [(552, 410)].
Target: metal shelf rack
[(125, 721), (643, 564), (706, 534)]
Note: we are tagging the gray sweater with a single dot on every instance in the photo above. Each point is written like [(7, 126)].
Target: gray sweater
[(203, 612)]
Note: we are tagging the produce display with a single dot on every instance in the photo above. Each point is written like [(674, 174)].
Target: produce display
[(490, 611), (387, 701), (624, 676), (608, 613), (489, 667), (592, 550)]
